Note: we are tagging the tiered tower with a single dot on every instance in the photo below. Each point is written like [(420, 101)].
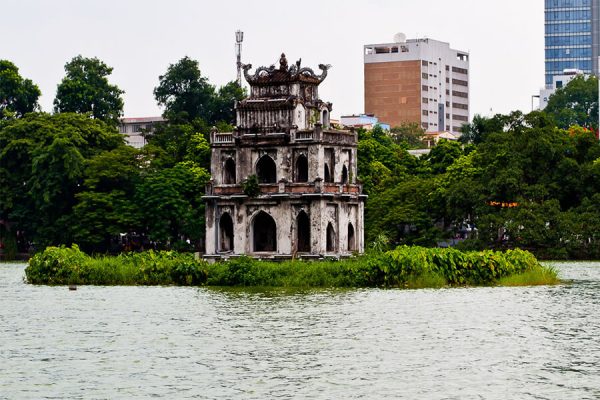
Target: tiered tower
[(284, 182)]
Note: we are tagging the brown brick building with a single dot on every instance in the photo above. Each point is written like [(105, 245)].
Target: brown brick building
[(419, 80)]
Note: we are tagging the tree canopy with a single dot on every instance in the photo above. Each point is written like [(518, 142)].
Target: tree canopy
[(85, 89), (576, 103), (186, 95), (18, 96)]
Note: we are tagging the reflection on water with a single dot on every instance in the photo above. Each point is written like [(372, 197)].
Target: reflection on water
[(127, 342)]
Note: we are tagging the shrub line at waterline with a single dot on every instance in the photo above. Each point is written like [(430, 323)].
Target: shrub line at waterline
[(411, 267)]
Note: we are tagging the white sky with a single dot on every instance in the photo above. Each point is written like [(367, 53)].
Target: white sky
[(140, 38)]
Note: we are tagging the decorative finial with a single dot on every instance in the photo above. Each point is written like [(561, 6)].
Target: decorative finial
[(283, 64)]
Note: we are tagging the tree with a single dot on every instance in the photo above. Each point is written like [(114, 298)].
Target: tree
[(105, 206), (18, 96), (85, 89), (225, 101), (575, 103), (42, 163), (477, 131), (409, 135), (443, 155), (171, 204), (185, 93)]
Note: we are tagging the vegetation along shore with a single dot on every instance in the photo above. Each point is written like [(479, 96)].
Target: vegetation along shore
[(404, 267)]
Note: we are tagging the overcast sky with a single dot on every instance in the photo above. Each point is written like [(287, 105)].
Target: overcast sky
[(140, 38)]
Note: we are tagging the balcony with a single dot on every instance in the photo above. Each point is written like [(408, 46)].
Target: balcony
[(287, 188), (221, 138)]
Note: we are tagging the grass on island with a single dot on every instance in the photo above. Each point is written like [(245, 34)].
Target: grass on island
[(545, 275), (404, 267)]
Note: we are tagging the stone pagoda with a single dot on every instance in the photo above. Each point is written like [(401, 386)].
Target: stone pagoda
[(284, 181)]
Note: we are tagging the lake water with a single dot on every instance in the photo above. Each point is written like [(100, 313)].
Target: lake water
[(173, 342)]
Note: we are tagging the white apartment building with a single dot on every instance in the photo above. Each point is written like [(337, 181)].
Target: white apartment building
[(417, 80)]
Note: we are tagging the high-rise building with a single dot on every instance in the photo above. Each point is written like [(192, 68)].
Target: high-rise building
[(420, 81), (572, 36)]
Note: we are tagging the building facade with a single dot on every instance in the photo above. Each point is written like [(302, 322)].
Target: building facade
[(420, 81), (284, 182), (362, 121), (558, 81), (133, 129), (572, 37)]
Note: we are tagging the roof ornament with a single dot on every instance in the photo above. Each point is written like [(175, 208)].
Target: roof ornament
[(285, 72), (283, 64)]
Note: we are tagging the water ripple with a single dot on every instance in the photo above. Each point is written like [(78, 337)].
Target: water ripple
[(167, 342)]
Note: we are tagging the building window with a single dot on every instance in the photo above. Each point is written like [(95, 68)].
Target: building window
[(302, 168), (331, 239), (424, 63), (229, 172), (351, 238), (425, 112), (460, 70), (425, 88), (344, 175), (425, 100), (225, 233), (303, 232), (459, 118), (460, 94), (460, 106), (460, 82), (266, 170), (424, 75)]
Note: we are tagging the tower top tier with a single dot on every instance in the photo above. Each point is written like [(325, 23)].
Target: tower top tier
[(285, 74)]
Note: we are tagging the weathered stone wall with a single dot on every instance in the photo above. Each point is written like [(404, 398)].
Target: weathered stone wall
[(321, 213)]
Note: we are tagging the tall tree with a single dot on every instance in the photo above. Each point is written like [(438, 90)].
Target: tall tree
[(576, 103), (85, 89), (42, 163), (18, 96), (224, 106), (409, 135), (185, 93)]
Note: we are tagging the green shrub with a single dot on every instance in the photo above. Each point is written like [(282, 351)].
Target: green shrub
[(57, 265), (411, 267)]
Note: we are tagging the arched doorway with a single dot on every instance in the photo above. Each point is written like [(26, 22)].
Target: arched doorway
[(229, 172), (331, 240), (266, 170), (264, 231), (351, 238), (344, 175), (225, 233), (303, 232), (302, 168)]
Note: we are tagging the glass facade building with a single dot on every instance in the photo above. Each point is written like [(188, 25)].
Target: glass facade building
[(572, 36)]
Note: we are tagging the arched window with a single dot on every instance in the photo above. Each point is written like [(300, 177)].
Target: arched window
[(327, 174), (325, 121), (229, 172), (330, 245), (351, 238), (264, 232), (302, 168), (266, 170), (303, 232), (344, 175), (225, 233)]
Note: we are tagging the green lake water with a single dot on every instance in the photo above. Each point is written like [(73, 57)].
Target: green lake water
[(205, 343)]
